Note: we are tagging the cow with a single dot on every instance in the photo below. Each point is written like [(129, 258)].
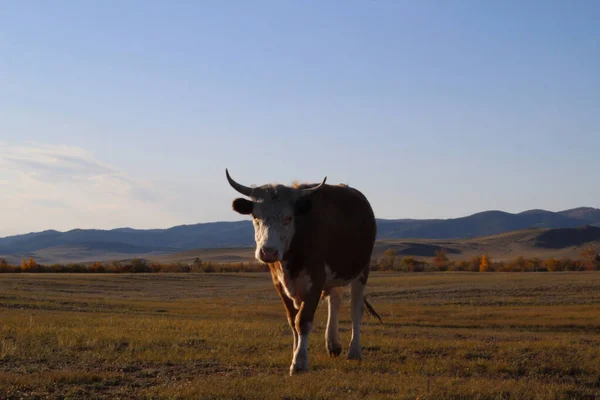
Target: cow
[(316, 239)]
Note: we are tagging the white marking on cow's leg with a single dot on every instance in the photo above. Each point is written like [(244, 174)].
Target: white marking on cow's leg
[(356, 312), (332, 340), (300, 360), (295, 339)]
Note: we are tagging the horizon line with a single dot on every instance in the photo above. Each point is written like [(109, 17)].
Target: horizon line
[(243, 220)]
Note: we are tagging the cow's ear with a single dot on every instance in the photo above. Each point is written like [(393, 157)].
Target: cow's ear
[(302, 206), (243, 206)]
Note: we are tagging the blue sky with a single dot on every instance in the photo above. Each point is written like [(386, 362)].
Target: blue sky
[(127, 113)]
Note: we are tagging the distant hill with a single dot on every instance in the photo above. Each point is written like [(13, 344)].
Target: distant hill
[(85, 243), (561, 238), (216, 234), (535, 242), (491, 223), (588, 214)]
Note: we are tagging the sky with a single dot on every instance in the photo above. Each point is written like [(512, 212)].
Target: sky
[(126, 114)]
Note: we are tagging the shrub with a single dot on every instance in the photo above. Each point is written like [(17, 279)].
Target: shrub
[(484, 263), (410, 264), (474, 264), (459, 266), (572, 265), (138, 265), (552, 265), (388, 260), (208, 267), (154, 267), (55, 268), (76, 268), (29, 265), (440, 260), (97, 267)]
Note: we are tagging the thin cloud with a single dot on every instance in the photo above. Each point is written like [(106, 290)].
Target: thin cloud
[(68, 165), (53, 162), (63, 187)]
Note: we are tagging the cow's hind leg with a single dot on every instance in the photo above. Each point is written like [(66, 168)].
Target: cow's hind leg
[(356, 313), (332, 340)]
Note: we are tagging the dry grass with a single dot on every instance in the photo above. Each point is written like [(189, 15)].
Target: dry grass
[(212, 336)]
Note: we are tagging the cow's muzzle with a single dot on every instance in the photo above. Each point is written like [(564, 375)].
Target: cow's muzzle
[(269, 254)]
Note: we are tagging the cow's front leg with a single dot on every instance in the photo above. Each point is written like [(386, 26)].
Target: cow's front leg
[(304, 321), (291, 312), (288, 303)]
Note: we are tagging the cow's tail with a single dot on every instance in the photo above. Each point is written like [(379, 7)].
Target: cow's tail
[(371, 310)]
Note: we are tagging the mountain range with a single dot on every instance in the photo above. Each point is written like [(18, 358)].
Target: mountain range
[(88, 244)]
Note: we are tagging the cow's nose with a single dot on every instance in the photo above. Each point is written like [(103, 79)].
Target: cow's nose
[(268, 254)]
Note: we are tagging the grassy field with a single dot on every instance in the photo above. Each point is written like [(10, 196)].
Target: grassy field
[(209, 336)]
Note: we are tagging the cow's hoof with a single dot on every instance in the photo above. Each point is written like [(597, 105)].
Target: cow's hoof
[(354, 355), (299, 363), (334, 350), (296, 369)]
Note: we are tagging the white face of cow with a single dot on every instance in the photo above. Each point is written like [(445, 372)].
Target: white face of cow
[(274, 209), (274, 223), (273, 230)]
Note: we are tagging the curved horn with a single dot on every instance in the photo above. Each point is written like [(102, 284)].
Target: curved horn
[(245, 190), (305, 192)]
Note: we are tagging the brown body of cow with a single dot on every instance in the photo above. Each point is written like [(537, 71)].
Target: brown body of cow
[(316, 239)]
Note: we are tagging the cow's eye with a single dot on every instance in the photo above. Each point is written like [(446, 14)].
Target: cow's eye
[(287, 220)]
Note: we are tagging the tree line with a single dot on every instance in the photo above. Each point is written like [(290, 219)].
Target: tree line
[(136, 265), (390, 261)]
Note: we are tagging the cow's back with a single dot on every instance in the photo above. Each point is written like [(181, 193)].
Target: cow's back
[(341, 229)]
